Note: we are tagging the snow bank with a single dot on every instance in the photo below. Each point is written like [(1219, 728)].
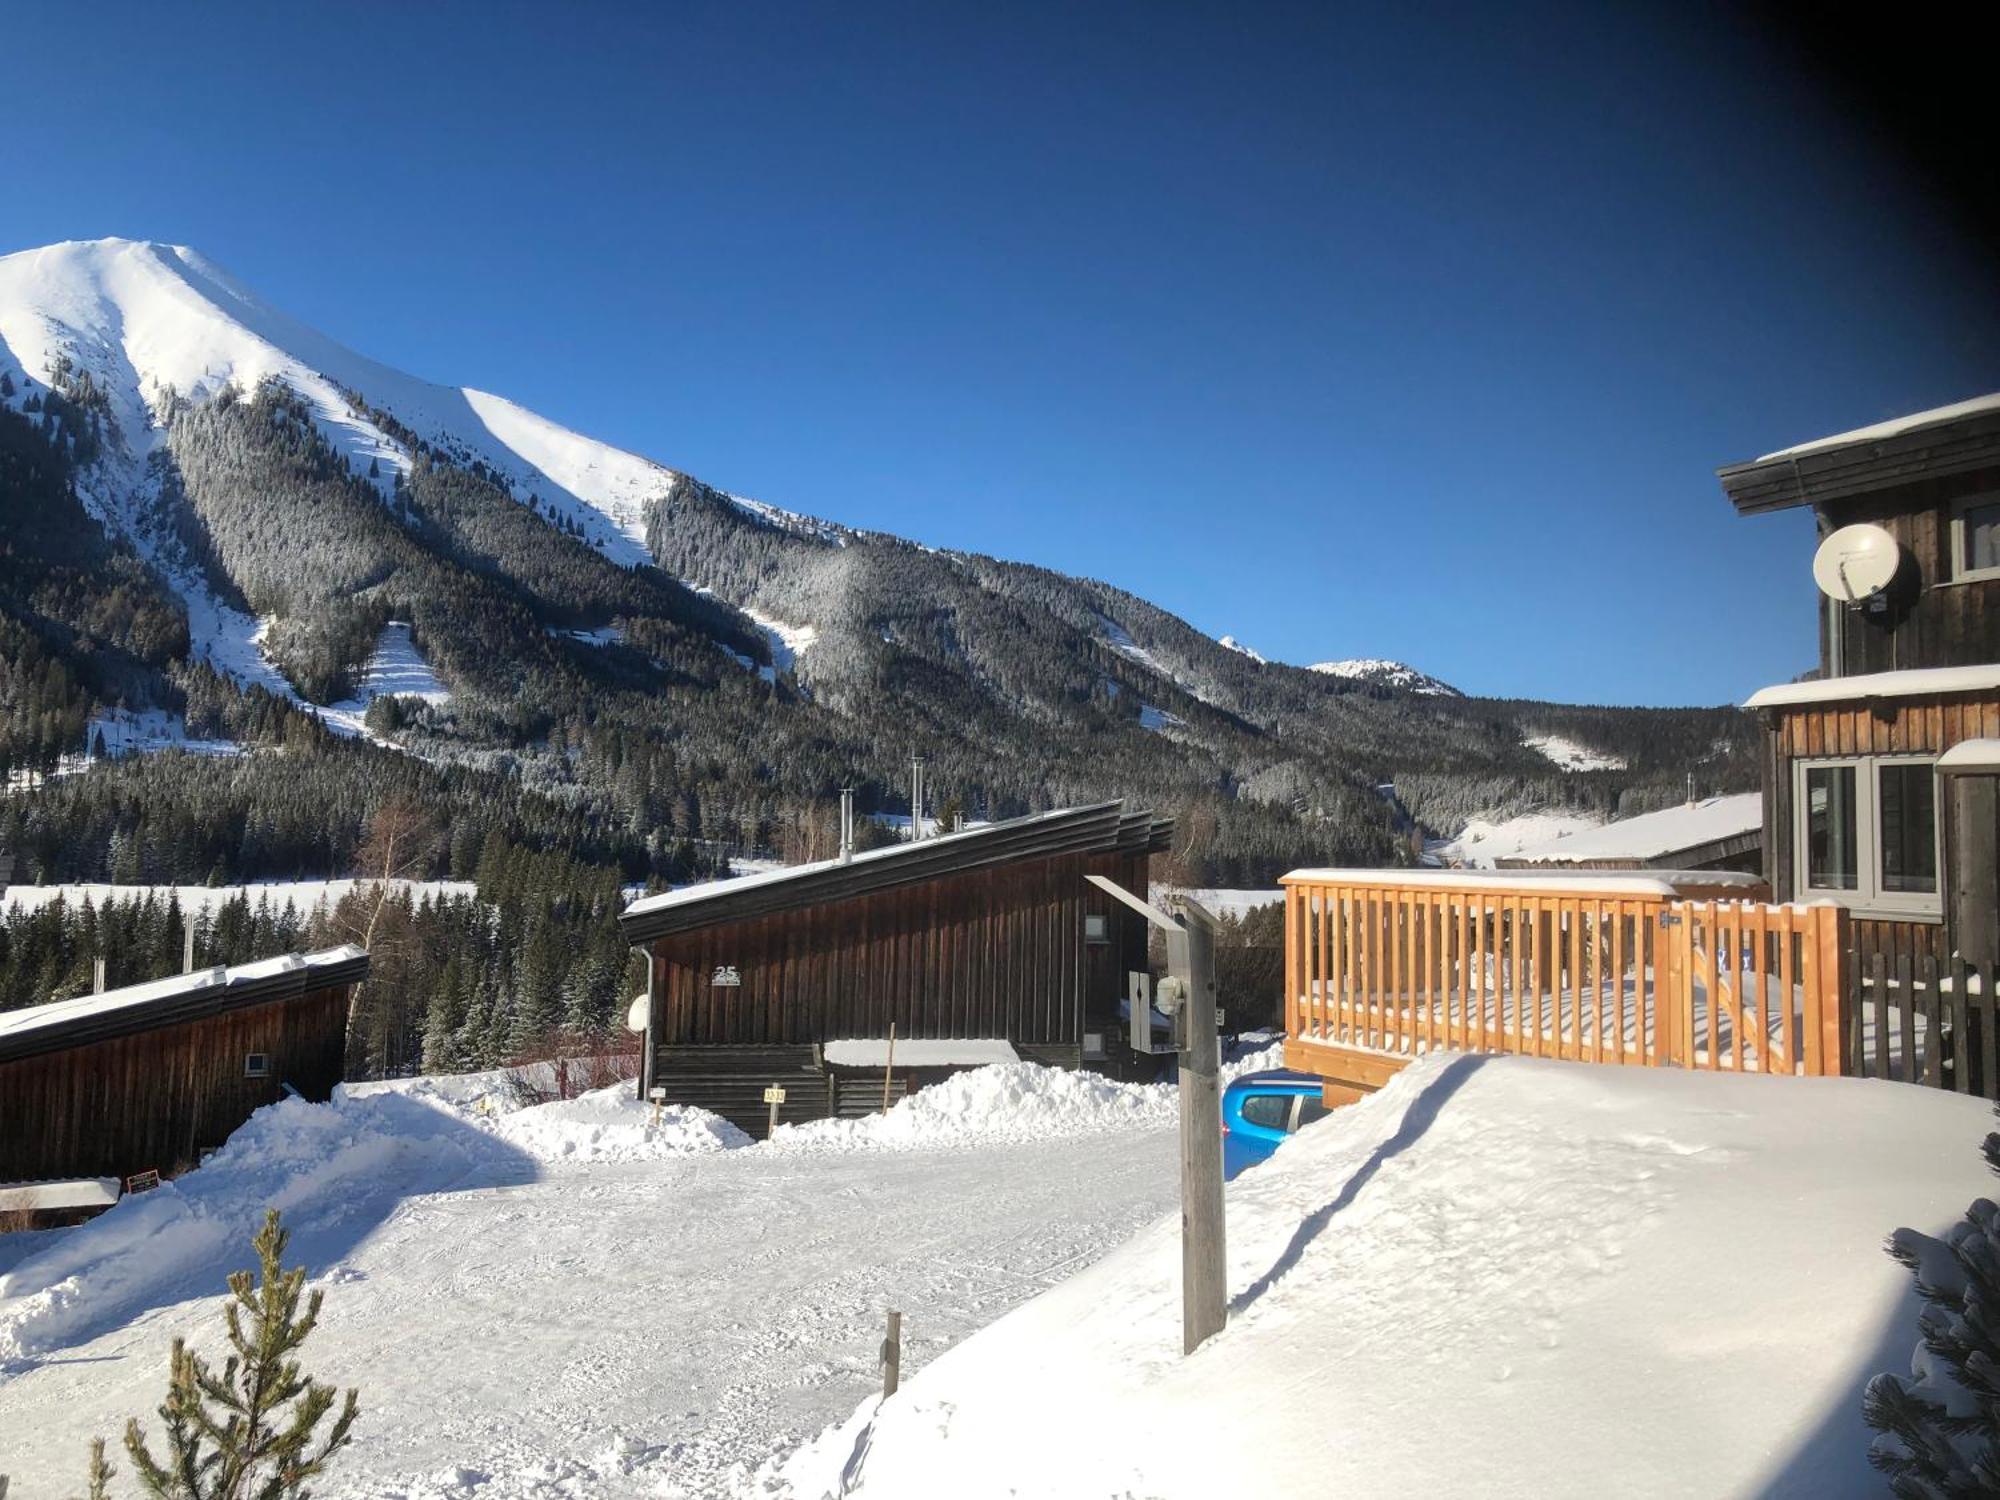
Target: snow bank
[(605, 1125), (1503, 1276), (321, 1162), (611, 1124), (1483, 840), (1005, 1103)]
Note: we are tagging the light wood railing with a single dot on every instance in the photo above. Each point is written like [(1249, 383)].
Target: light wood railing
[(1649, 968)]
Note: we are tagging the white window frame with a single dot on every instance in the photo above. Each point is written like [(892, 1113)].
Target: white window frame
[(1961, 571), (1867, 899)]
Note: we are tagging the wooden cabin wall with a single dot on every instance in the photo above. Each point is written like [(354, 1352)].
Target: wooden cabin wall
[(158, 1098), (1889, 727), (994, 952), (1938, 623)]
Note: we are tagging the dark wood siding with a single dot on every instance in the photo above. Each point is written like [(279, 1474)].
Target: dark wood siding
[(1931, 622), (992, 952), (158, 1098)]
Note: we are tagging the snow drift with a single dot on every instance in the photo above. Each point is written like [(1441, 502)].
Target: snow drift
[(1497, 1276)]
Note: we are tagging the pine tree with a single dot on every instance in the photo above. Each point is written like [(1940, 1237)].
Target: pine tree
[(248, 1432), (1941, 1427)]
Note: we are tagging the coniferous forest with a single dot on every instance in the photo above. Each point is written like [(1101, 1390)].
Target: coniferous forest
[(612, 727)]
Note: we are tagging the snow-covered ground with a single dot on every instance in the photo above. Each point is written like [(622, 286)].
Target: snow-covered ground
[(787, 641), (569, 1299), (1482, 841), (1497, 1277), (1572, 755)]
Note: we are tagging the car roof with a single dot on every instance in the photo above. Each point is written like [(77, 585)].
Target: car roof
[(1276, 1076)]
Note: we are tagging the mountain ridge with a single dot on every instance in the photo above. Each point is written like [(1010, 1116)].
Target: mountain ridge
[(596, 611)]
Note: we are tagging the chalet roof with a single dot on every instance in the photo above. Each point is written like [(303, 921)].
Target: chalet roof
[(167, 1002), (1104, 827), (1919, 682), (1944, 440), (1655, 835)]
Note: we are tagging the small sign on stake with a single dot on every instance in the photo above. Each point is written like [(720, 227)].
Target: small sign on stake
[(774, 1095)]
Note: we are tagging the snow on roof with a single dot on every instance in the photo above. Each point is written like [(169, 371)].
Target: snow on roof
[(951, 1052), (56, 1013), (1971, 755), (80, 1192), (1656, 834), (710, 889), (1894, 427), (1919, 682), (1588, 883)]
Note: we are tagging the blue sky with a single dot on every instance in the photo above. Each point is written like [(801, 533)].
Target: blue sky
[(1412, 335)]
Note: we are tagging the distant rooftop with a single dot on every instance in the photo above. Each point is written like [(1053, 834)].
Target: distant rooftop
[(182, 997), (1655, 835)]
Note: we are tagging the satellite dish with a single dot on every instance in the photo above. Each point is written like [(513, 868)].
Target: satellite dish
[(635, 1014), (1856, 563)]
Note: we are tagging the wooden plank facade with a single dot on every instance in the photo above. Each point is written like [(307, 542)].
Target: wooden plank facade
[(109, 1090), (1917, 479), (993, 933)]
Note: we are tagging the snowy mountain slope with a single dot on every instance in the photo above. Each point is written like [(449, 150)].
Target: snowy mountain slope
[(144, 319)]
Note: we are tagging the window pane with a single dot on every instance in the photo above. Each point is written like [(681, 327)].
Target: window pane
[(1982, 535), (1272, 1111), (1909, 829), (1830, 856), (1310, 1109)]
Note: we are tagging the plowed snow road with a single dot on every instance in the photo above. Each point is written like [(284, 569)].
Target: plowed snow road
[(640, 1329)]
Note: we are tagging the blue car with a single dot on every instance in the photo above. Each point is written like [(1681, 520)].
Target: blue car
[(1261, 1109)]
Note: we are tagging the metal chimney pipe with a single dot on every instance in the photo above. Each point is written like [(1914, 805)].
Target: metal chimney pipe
[(916, 798), (846, 824)]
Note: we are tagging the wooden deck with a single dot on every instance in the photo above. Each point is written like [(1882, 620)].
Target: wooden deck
[(1650, 969)]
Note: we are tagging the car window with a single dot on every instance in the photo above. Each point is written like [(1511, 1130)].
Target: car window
[(1310, 1109), (1272, 1111)]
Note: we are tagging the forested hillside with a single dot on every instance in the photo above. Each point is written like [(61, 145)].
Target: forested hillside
[(622, 667)]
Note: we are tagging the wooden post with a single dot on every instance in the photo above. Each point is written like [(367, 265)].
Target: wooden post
[(892, 1355), (888, 1067), (1204, 1270), (771, 1128), (187, 943), (97, 976)]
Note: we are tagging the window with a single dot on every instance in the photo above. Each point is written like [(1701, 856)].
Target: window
[(1272, 1111), (1310, 1109), (1975, 537), (256, 1065), (1096, 928), (1867, 834)]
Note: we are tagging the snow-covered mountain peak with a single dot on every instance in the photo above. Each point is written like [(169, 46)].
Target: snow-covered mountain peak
[(143, 319), (1384, 673)]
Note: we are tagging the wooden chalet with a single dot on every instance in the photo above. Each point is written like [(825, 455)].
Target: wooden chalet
[(1861, 807), (145, 1079), (971, 946), (1871, 943)]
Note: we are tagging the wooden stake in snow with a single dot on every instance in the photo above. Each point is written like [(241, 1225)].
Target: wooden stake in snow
[(888, 1067), (892, 1355)]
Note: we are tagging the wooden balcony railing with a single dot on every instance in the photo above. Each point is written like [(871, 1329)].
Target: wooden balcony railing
[(1646, 968)]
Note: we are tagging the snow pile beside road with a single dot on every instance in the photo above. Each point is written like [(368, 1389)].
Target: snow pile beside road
[(326, 1162), (1005, 1102), (610, 1124), (1496, 1276), (1009, 1102), (605, 1125)]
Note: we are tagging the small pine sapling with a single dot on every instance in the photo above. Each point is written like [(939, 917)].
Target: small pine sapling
[(1940, 1428), (248, 1432)]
